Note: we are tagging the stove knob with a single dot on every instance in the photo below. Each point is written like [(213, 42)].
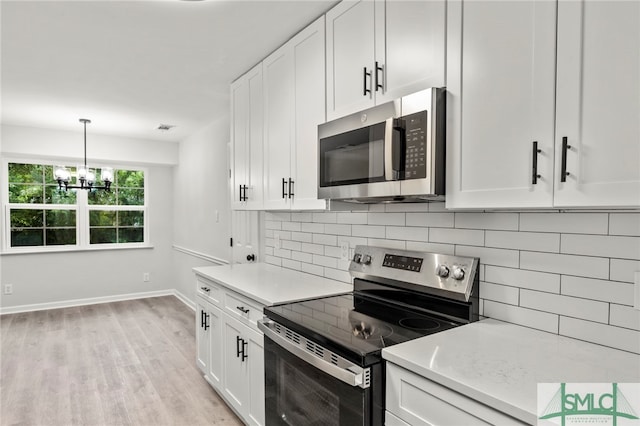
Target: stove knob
[(366, 260), (357, 258), (458, 273), (442, 271)]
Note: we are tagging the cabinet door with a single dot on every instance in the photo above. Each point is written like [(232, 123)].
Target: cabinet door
[(278, 126), (256, 377), (202, 338), (500, 82), (239, 140), (309, 111), (598, 103), (215, 331), (255, 190), (410, 46), (236, 370), (350, 49)]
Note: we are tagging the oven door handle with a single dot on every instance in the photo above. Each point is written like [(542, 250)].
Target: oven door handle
[(352, 375)]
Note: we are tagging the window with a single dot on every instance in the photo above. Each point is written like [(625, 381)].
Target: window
[(40, 215)]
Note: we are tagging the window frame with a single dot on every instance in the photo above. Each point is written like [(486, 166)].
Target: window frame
[(82, 208)]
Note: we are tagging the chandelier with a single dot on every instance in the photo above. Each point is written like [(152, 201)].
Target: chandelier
[(85, 176)]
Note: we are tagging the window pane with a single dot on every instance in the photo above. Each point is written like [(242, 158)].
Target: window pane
[(53, 195), (130, 178), (25, 173), (61, 236), (131, 197), (102, 235), (48, 175), (60, 218), (130, 218), (27, 237), (130, 235), (102, 218), (26, 218), (24, 193), (102, 198)]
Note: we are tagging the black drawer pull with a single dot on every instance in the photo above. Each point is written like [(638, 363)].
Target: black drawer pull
[(242, 309)]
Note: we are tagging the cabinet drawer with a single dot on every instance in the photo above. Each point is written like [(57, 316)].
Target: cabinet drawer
[(420, 401), (391, 420), (248, 311), (209, 291)]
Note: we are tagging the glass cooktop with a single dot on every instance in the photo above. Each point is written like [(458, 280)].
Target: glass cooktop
[(354, 326)]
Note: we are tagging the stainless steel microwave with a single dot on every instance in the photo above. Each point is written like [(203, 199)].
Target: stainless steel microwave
[(394, 152)]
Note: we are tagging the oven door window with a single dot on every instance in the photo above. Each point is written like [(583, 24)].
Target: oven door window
[(298, 393), (354, 157)]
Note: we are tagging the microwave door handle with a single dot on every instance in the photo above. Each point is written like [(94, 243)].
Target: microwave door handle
[(399, 150), (388, 150)]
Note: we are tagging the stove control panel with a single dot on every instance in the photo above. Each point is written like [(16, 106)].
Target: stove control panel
[(442, 274)]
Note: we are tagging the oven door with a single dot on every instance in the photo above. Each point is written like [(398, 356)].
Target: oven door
[(303, 386)]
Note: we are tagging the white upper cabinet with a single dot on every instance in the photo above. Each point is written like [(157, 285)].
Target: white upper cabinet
[(500, 84), (503, 66), (598, 104), (246, 141), (294, 106), (381, 50)]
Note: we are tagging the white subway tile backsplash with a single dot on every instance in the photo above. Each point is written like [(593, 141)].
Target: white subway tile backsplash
[(623, 270), (432, 220), (407, 207), (268, 233), (533, 241), (386, 219), (312, 269), (291, 245), (604, 290), (583, 266), (527, 317), (602, 245), (407, 233), (353, 241), (312, 248), (302, 256), (291, 264), (328, 240), (437, 207), (333, 251), (325, 217), (499, 293), (302, 217), (624, 224), (500, 221), (469, 237), (304, 237), (431, 247), (368, 231), (533, 280), (278, 216), (268, 251), (282, 253), (573, 223), (565, 305), (273, 260), (616, 337), (392, 244), (291, 226), (490, 256), (315, 228), (332, 228), (625, 316), (271, 224), (338, 275), (355, 218), (330, 262)]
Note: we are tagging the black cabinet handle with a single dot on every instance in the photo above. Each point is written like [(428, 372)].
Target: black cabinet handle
[(201, 318), (378, 85), (251, 257), (240, 193), (242, 309), (291, 182), (534, 174), (563, 172), (284, 185), (245, 349), (364, 82), (238, 339), (206, 322)]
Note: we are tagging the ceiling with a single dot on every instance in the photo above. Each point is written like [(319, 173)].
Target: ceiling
[(129, 66)]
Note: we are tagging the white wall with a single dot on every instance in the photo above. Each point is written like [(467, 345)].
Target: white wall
[(201, 189), (49, 278), (569, 273)]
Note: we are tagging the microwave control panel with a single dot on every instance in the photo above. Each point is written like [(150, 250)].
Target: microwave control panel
[(416, 145)]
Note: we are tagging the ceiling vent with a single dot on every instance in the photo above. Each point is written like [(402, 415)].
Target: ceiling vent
[(165, 127)]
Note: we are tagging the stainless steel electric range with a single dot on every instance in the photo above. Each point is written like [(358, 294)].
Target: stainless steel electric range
[(323, 363)]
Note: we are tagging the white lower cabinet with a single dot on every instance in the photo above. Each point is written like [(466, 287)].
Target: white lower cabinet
[(414, 400), (230, 349)]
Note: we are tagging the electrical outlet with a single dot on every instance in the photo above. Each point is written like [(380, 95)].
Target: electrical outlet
[(344, 250), (145, 277), (8, 289), (636, 290), (276, 240)]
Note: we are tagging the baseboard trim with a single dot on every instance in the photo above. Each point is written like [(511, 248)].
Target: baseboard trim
[(199, 255), (95, 301)]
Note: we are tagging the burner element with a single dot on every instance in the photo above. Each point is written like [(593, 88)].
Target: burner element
[(419, 323)]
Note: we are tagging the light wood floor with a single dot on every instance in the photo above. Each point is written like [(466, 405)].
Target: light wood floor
[(121, 363)]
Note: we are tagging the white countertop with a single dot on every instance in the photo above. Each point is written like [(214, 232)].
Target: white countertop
[(500, 364), (270, 285)]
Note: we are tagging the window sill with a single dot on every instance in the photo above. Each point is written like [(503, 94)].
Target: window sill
[(104, 247)]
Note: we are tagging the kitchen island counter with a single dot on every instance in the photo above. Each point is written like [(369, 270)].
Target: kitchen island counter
[(500, 364)]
